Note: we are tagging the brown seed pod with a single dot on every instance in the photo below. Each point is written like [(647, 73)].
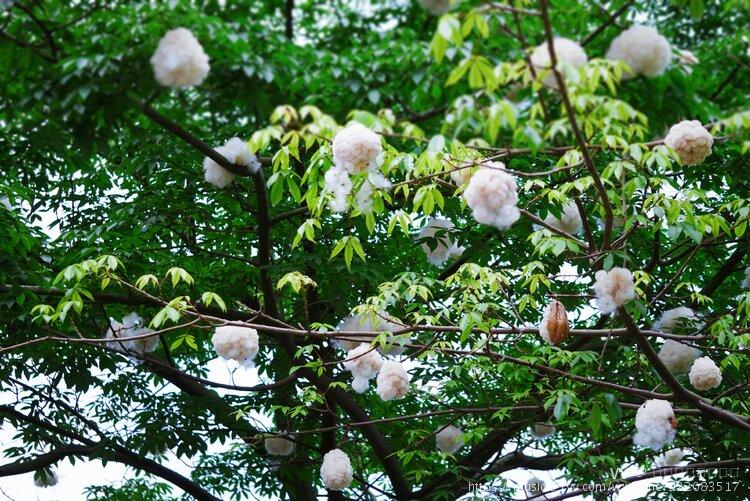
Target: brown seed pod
[(557, 323), (673, 422)]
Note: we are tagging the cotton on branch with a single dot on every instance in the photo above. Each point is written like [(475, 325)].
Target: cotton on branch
[(179, 60), (45, 478), (393, 381), (235, 151), (678, 357), (569, 221), (450, 439), (439, 246), (554, 327), (131, 326), (676, 320), (704, 374), (364, 362), (690, 140), (336, 470), (566, 51), (236, 343), (382, 322), (672, 457), (613, 288), (543, 430), (492, 196), (655, 424), (355, 148), (279, 446), (643, 49)]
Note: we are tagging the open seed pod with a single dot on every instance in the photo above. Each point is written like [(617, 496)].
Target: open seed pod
[(555, 327), (673, 422)]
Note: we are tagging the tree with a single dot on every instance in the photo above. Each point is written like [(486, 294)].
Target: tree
[(509, 223)]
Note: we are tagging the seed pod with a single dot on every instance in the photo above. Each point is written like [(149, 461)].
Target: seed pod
[(673, 422), (555, 328)]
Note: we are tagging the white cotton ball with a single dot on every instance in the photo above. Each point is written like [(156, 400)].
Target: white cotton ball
[(436, 7), (279, 445), (655, 424), (543, 430), (393, 381), (336, 470), (678, 357), (45, 478), (672, 457), (690, 140), (364, 362), (534, 487), (339, 184), (235, 151), (565, 51), (363, 198), (449, 439), (491, 194), (704, 374), (131, 326), (643, 49), (439, 246), (382, 322), (179, 60), (236, 343), (570, 219), (746, 282), (613, 288), (355, 148), (5, 202), (675, 319)]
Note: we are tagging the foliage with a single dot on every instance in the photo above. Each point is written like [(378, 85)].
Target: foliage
[(110, 214)]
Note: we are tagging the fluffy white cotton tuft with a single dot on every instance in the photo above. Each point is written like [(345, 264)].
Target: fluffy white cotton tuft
[(355, 148), (336, 470), (436, 7), (374, 323), (690, 140), (179, 60), (45, 478), (746, 282), (655, 424), (672, 457), (279, 445), (492, 196), (131, 326), (570, 219), (565, 50), (364, 362), (542, 430), (678, 357), (449, 439), (5, 202), (643, 49), (340, 185), (439, 247), (534, 487), (393, 381), (676, 319), (705, 374), (236, 343), (613, 288), (237, 152)]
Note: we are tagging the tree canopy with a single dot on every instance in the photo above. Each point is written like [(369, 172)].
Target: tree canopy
[(510, 186)]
